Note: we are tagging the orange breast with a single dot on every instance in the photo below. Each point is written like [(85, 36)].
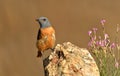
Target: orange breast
[(47, 39)]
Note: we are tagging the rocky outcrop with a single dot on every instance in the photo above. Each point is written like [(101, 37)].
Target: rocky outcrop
[(70, 60)]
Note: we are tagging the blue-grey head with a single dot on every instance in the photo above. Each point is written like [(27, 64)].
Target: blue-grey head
[(44, 22)]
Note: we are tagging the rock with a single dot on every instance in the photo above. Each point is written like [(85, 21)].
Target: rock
[(70, 60)]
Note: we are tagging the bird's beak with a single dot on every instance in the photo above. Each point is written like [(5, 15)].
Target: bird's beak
[(36, 19)]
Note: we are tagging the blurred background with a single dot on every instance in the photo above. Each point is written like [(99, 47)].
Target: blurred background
[(72, 20)]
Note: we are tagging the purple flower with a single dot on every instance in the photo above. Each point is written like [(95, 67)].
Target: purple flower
[(101, 43), (97, 43), (103, 21), (116, 64), (106, 36), (112, 45), (89, 33), (90, 43)]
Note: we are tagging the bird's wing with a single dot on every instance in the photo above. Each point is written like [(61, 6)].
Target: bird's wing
[(40, 39), (39, 34)]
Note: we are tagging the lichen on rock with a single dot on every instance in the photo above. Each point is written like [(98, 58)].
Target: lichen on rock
[(70, 60)]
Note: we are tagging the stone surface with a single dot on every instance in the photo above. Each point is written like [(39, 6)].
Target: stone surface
[(70, 60)]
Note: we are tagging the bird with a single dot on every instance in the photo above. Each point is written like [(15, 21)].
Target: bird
[(45, 37)]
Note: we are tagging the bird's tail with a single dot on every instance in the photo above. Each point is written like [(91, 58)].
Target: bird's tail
[(39, 54)]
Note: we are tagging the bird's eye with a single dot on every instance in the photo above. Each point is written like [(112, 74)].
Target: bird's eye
[(44, 19)]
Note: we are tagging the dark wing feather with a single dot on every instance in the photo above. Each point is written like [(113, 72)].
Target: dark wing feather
[(39, 34)]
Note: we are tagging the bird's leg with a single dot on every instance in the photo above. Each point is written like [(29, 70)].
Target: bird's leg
[(52, 49)]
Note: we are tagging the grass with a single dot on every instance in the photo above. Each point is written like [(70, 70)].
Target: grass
[(103, 51)]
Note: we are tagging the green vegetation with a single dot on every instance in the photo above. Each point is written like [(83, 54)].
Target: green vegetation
[(104, 52)]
